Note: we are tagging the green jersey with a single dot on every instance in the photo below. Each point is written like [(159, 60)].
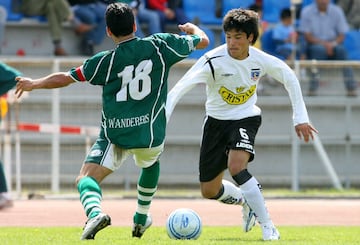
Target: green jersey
[(7, 77), (134, 80)]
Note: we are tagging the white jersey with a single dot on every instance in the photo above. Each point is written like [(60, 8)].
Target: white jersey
[(231, 84)]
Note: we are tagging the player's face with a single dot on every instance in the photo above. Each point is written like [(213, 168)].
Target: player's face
[(238, 44)]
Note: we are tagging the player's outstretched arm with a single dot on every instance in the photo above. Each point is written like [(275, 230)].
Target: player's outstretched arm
[(305, 131), (190, 28), (55, 80)]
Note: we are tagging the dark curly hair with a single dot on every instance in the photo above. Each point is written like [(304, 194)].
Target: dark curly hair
[(242, 20)]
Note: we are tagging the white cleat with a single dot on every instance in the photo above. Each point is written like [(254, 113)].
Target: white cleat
[(269, 232), (93, 225), (5, 202), (138, 230)]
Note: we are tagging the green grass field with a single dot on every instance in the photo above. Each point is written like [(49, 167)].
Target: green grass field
[(315, 235)]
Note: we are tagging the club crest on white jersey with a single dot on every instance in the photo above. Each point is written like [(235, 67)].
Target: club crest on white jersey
[(255, 73)]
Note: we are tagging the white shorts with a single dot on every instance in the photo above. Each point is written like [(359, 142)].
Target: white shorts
[(112, 157), (143, 157)]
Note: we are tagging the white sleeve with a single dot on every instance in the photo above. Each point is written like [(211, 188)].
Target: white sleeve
[(284, 74), (192, 77), (300, 114)]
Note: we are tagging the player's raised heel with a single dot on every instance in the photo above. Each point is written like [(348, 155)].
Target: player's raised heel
[(93, 225), (138, 230)]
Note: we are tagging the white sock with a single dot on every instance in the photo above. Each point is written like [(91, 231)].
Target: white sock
[(255, 199), (232, 194)]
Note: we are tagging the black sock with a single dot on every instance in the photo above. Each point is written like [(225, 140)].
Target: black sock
[(242, 177)]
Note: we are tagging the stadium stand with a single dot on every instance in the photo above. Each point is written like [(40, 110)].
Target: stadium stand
[(267, 43), (8, 5), (204, 10), (272, 8), (231, 4), (201, 9), (307, 2), (12, 8), (352, 44)]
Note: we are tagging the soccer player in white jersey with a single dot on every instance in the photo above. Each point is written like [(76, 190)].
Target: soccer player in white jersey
[(231, 73), (133, 77)]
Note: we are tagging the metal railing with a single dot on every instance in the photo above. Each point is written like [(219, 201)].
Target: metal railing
[(56, 63)]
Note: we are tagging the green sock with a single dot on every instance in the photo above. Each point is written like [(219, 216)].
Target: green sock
[(90, 196), (147, 185)]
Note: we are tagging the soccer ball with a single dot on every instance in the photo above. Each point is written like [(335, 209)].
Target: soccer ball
[(184, 223)]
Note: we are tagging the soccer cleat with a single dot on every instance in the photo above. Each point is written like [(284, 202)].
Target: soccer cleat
[(5, 202), (249, 217), (269, 232), (138, 229), (93, 225)]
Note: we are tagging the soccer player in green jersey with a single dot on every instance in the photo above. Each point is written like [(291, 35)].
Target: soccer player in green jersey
[(7, 82), (133, 77)]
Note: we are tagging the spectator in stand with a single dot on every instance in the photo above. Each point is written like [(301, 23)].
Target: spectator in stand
[(149, 17), (351, 9), (324, 26), (263, 25), (57, 12), (170, 11), (92, 13), (285, 36)]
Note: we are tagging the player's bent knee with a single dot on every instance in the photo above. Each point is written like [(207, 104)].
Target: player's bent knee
[(208, 193)]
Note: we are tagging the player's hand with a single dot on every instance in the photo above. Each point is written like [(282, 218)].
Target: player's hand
[(188, 28), (305, 131), (23, 84)]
